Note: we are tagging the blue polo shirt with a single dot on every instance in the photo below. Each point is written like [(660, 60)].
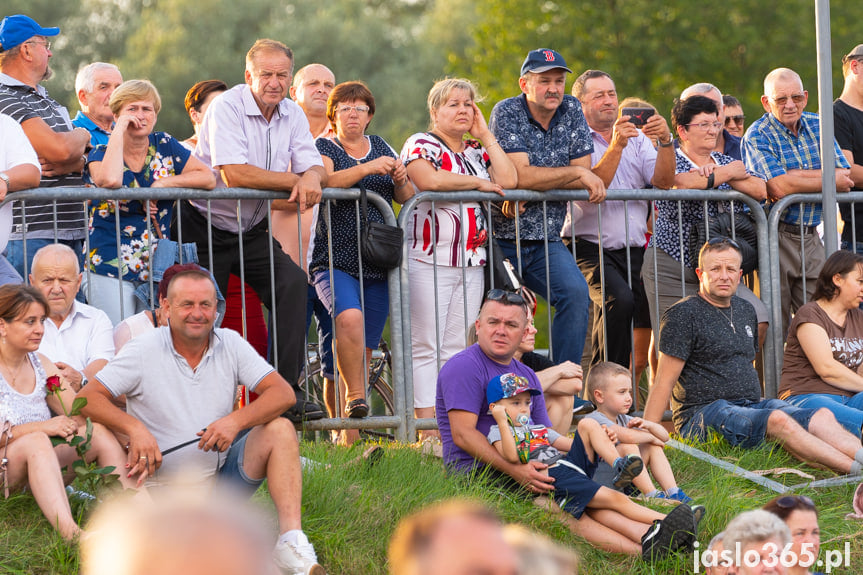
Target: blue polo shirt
[(98, 136), (567, 138)]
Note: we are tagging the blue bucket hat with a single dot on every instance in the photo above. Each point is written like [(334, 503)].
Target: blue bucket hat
[(17, 29)]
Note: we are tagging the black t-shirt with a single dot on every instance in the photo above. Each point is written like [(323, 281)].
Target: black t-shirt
[(848, 122), (718, 358), (538, 362)]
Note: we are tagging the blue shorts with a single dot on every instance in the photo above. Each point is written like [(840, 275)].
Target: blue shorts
[(232, 472), (572, 489), (847, 409), (742, 423), (347, 296)]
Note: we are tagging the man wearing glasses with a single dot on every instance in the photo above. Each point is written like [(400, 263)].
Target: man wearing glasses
[(782, 147), (707, 345), (257, 138), (24, 55), (848, 120)]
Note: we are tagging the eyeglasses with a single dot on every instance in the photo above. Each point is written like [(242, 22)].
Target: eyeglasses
[(723, 240), (704, 126), (795, 501), (782, 100), (505, 297), (347, 109), (46, 43), (735, 119)]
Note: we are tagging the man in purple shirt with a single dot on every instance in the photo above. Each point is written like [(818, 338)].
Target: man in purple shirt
[(625, 159), (257, 138), (461, 406)]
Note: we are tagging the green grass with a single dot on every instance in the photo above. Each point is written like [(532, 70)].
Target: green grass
[(350, 511)]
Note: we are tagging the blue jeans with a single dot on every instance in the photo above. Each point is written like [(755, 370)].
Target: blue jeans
[(848, 410), (569, 294), (742, 423)]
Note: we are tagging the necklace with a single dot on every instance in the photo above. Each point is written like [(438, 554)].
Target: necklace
[(17, 371), (729, 319)]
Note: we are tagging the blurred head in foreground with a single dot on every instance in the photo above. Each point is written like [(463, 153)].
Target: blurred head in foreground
[(539, 554), (451, 538), (178, 533)]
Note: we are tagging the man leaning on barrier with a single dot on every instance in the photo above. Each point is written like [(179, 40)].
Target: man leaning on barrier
[(257, 138), (783, 147), (25, 50), (624, 157), (544, 133), (707, 345)]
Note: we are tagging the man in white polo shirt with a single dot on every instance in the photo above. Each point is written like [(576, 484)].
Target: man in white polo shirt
[(78, 337), (257, 138), (19, 170)]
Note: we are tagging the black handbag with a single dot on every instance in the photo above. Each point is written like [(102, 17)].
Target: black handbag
[(380, 244), (744, 233)]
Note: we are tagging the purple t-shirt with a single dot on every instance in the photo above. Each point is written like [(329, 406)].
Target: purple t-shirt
[(461, 385)]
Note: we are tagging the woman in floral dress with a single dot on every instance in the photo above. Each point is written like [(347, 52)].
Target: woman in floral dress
[(135, 157)]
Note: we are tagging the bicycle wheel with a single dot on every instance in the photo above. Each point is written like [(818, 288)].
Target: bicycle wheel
[(380, 390)]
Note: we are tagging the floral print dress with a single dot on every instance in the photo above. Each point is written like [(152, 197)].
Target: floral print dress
[(165, 157)]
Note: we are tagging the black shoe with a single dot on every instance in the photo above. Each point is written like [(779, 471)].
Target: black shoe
[(583, 408), (304, 411), (676, 531), (626, 469)]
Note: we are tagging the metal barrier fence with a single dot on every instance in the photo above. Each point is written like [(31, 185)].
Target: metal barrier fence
[(402, 421)]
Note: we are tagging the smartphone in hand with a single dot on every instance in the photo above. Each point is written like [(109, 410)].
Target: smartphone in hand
[(638, 116)]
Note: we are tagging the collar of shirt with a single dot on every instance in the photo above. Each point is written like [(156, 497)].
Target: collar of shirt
[(83, 120), (215, 341), (14, 82), (554, 119), (251, 108)]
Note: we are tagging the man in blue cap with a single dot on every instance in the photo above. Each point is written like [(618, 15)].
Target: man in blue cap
[(547, 138), (25, 50)]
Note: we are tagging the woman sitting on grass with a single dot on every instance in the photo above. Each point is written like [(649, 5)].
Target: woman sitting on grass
[(36, 416)]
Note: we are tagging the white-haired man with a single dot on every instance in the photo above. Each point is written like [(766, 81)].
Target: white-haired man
[(94, 85)]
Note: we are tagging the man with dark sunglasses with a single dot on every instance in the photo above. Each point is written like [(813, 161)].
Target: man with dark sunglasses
[(707, 345)]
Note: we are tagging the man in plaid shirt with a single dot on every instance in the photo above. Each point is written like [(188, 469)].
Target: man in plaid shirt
[(783, 148)]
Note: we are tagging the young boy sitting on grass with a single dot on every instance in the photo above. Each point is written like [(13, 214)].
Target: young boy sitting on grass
[(609, 386), (517, 439)]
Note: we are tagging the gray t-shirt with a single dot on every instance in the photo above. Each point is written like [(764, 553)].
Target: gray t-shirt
[(622, 420), (175, 402), (541, 439), (718, 356)]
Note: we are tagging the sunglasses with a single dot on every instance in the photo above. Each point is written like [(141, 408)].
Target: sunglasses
[(716, 240), (736, 119), (505, 297), (794, 502)]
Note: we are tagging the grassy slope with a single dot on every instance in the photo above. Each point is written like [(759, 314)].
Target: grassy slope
[(350, 511)]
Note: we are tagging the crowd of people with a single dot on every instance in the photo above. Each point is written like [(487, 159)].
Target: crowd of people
[(163, 404)]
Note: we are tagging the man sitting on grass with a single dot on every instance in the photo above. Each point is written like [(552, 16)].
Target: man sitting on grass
[(611, 521), (180, 382), (707, 345), (609, 385)]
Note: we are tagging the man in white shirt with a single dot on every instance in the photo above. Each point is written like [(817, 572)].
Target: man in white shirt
[(19, 170), (78, 337)]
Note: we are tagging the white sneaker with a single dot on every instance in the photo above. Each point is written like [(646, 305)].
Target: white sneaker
[(297, 559)]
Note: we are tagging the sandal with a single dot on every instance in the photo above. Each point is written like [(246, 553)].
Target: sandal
[(357, 409)]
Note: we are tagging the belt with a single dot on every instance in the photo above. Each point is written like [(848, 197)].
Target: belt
[(795, 228)]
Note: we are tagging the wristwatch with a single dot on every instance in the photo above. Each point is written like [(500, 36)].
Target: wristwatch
[(668, 143), (5, 177)]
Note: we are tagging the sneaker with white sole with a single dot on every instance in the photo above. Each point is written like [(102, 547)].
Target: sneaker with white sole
[(297, 558), (677, 531)]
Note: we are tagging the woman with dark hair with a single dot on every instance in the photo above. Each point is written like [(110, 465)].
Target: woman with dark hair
[(801, 516), (197, 101), (36, 416), (358, 302), (695, 121), (824, 349)]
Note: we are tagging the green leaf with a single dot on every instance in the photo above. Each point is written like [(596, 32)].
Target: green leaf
[(77, 405), (55, 441)]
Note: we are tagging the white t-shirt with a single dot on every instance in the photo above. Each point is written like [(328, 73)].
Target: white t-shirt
[(15, 148), (85, 336), (174, 401)]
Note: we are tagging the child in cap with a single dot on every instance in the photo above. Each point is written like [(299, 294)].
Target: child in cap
[(609, 385), (517, 439)]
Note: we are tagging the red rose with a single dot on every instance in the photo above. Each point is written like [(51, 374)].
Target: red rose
[(53, 384)]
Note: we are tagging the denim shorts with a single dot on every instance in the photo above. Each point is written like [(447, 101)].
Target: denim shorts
[(345, 290), (231, 472), (742, 423)]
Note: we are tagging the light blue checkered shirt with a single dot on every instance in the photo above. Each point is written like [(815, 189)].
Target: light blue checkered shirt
[(770, 150)]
